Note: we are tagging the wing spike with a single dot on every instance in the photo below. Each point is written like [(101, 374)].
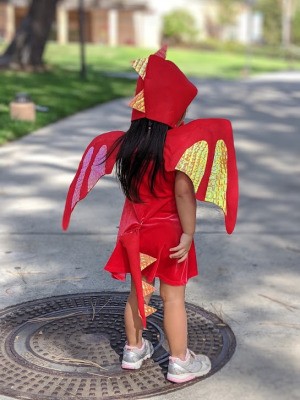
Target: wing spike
[(162, 52), (147, 288), (140, 66), (146, 260), (138, 102), (149, 310)]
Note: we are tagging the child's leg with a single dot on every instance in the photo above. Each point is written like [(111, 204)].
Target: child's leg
[(133, 322), (175, 319)]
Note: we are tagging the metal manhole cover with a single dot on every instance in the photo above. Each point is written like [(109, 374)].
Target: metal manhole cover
[(70, 347)]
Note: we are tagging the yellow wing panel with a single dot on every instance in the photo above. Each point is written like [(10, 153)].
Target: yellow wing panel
[(217, 185), (193, 162)]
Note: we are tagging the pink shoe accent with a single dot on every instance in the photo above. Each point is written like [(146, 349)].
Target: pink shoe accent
[(127, 366), (187, 356), (127, 347), (182, 380)]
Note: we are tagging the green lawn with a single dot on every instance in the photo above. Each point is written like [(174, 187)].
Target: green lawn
[(61, 90), (208, 64), (64, 93)]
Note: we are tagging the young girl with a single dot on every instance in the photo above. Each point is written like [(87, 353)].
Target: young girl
[(162, 166)]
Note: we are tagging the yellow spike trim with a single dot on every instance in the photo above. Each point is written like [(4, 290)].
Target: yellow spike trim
[(147, 288), (193, 162), (140, 66), (217, 185), (138, 102), (146, 260), (149, 310)]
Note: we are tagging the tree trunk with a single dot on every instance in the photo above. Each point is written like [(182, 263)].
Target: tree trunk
[(27, 47), (286, 22)]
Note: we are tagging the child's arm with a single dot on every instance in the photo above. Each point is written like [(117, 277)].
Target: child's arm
[(186, 207)]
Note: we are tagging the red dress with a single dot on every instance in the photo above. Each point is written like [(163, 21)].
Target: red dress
[(155, 224), (204, 151)]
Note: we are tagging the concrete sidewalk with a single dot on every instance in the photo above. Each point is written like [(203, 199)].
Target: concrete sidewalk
[(251, 278)]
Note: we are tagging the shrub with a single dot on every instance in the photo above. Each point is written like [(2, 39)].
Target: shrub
[(272, 14), (179, 27)]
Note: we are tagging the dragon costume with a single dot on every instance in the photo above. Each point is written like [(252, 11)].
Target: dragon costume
[(203, 149)]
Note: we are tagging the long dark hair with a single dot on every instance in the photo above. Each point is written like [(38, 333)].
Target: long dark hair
[(141, 148)]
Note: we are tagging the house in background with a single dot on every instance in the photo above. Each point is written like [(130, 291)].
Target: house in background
[(109, 22), (129, 22)]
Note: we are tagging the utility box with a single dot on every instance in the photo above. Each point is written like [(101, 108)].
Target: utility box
[(22, 108)]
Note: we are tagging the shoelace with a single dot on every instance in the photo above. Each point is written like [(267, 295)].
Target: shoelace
[(192, 354)]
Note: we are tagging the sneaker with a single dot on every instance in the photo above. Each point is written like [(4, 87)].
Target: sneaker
[(133, 357), (180, 371)]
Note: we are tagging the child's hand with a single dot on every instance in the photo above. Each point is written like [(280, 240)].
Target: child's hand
[(182, 250)]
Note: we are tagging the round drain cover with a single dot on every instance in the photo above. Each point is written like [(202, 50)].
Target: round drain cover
[(70, 346)]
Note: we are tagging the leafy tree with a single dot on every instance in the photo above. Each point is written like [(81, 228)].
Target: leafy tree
[(227, 11), (226, 16), (179, 26), (27, 47), (272, 20), (296, 26)]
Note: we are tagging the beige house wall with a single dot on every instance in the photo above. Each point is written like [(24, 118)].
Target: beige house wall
[(126, 33), (147, 29), (7, 21), (113, 23), (62, 25), (99, 26), (2, 20)]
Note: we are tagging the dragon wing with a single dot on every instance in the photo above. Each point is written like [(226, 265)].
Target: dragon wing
[(92, 167), (204, 150)]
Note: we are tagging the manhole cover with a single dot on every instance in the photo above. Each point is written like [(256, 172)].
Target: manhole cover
[(70, 347)]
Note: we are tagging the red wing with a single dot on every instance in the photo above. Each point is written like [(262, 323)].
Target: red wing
[(92, 167), (204, 150)]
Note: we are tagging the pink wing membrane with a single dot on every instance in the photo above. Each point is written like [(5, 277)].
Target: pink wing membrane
[(98, 167), (85, 164), (96, 170)]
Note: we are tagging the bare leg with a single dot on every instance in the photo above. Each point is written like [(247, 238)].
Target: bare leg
[(133, 322), (175, 319)]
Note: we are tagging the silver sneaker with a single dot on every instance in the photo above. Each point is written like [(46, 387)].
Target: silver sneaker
[(133, 357), (183, 371)]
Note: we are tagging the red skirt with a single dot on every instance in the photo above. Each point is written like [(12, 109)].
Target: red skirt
[(155, 236)]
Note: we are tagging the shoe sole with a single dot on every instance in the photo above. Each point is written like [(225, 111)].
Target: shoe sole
[(187, 376), (137, 364)]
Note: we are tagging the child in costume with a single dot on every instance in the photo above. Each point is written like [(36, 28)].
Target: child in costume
[(163, 167)]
